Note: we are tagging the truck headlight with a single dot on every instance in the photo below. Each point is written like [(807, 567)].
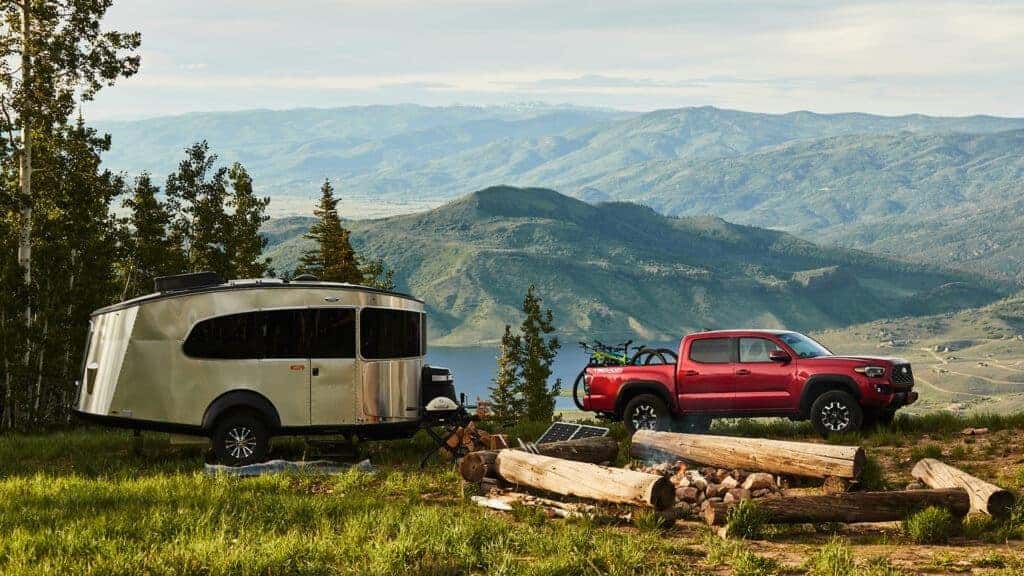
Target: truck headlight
[(870, 371)]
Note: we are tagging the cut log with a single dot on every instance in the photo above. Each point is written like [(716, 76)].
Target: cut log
[(776, 456), (477, 465), (585, 480), (594, 450), (848, 508), (985, 497)]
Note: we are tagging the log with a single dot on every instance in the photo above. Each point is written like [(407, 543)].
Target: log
[(848, 508), (585, 480), (985, 497), (776, 456), (476, 466)]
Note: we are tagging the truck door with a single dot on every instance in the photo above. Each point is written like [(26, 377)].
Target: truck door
[(706, 374), (332, 391), (760, 383)]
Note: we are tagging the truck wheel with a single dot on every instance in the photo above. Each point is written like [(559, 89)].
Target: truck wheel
[(646, 412), (835, 412), (240, 438)]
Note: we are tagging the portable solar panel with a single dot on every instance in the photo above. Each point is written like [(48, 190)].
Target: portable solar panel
[(560, 431)]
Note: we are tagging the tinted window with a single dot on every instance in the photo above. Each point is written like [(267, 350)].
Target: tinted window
[(283, 333), (334, 334), (803, 346), (711, 350), (756, 349), (385, 333), (227, 337)]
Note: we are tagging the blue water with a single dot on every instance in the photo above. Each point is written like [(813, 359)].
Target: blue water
[(474, 368)]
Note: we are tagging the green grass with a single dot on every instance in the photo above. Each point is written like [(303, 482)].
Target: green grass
[(930, 526), (90, 502)]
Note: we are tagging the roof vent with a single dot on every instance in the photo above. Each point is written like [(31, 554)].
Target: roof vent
[(305, 278), (187, 281)]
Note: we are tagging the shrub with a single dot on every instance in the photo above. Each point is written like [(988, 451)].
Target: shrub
[(932, 525), (872, 477), (926, 451), (746, 520), (833, 559)]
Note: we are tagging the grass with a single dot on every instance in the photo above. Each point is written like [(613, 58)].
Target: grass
[(102, 502), (92, 503), (930, 526)]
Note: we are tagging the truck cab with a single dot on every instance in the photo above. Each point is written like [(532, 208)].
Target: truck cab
[(750, 373)]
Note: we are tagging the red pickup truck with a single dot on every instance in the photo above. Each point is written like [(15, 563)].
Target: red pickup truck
[(749, 373)]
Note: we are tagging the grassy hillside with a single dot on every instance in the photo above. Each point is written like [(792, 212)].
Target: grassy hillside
[(972, 360), (954, 198), (617, 269)]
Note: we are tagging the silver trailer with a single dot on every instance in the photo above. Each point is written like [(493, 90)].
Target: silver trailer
[(245, 360)]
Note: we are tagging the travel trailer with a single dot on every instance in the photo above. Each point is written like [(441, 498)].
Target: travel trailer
[(245, 360)]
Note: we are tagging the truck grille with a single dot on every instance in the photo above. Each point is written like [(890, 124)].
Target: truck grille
[(902, 375)]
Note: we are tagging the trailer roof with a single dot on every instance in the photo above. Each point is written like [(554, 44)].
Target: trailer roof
[(248, 284)]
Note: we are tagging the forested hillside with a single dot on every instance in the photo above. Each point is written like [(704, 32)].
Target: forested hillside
[(621, 268)]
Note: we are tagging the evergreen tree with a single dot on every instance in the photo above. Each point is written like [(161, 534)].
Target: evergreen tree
[(332, 257), (506, 395), (196, 196), (538, 353), (245, 244), (151, 251), (52, 52)]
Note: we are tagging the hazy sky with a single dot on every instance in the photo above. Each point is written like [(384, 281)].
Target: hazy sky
[(891, 58)]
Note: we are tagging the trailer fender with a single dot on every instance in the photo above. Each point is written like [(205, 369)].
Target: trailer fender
[(241, 399)]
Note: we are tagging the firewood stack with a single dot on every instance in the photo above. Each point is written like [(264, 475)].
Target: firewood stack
[(695, 486)]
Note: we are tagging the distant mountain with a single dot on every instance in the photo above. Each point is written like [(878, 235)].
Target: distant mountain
[(956, 199), (940, 190), (618, 269)]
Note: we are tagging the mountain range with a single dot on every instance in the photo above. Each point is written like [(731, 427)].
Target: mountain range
[(945, 191), (614, 269)]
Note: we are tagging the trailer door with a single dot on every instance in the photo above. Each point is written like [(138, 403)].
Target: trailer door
[(332, 393)]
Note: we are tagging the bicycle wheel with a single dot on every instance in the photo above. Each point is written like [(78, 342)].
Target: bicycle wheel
[(580, 380), (653, 356)]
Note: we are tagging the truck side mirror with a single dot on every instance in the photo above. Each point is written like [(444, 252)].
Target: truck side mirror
[(780, 356)]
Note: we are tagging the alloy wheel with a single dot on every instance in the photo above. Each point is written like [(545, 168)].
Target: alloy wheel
[(644, 417), (240, 442), (835, 416)]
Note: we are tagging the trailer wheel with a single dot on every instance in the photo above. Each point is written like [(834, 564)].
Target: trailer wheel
[(646, 412), (240, 438)]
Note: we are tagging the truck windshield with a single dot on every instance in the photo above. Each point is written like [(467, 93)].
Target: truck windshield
[(803, 346)]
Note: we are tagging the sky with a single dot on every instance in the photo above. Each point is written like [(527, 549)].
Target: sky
[(930, 57)]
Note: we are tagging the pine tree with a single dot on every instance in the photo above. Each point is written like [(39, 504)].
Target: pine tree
[(151, 250), (332, 257), (507, 399), (196, 196), (538, 353), (245, 244)]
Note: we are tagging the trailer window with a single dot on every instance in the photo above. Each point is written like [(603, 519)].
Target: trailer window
[(334, 334), (385, 333), (230, 337), (283, 333), (712, 350)]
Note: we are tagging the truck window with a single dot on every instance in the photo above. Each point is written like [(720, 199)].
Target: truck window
[(712, 350), (386, 333), (756, 349), (334, 333)]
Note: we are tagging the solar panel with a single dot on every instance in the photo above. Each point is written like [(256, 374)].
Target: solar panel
[(561, 431)]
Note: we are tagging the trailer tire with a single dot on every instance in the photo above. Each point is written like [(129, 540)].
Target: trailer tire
[(240, 438)]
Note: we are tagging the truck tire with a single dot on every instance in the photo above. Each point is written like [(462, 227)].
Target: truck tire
[(240, 438), (835, 412), (646, 412)]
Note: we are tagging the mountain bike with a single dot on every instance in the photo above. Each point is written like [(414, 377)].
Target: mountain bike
[(604, 355)]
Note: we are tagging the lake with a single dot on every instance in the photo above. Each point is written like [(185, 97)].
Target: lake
[(474, 368)]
